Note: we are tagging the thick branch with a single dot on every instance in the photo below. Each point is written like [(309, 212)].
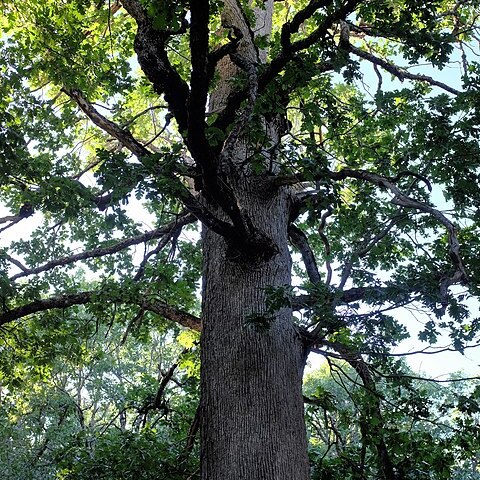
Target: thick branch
[(199, 78), (288, 52), (61, 301), (399, 198), (181, 317), (197, 143), (300, 241), (351, 295), (126, 139), (291, 27), (222, 51), (121, 134), (153, 58), (373, 409)]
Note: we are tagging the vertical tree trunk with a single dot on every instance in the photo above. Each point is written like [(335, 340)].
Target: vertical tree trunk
[(252, 425), (252, 407)]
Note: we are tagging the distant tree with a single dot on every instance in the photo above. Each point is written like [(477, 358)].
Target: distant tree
[(246, 131), (430, 428)]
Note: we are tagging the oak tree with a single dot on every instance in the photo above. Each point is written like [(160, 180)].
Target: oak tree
[(246, 134)]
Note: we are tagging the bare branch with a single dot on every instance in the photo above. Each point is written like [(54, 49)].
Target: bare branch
[(399, 72), (16, 262), (143, 112), (165, 230), (156, 402), (300, 241), (173, 235), (193, 430)]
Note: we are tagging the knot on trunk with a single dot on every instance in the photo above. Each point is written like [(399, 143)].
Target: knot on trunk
[(254, 248)]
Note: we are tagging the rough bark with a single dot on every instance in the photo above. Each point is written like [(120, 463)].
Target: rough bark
[(252, 418), (252, 406)]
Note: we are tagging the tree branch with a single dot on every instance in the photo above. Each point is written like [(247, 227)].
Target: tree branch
[(181, 317), (366, 246), (288, 52), (165, 230), (152, 57), (399, 72), (403, 200), (121, 134), (351, 295), (326, 243), (197, 142), (373, 409), (199, 79), (127, 140), (26, 210), (300, 241)]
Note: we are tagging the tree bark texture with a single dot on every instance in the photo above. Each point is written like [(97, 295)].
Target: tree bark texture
[(252, 422), (251, 399)]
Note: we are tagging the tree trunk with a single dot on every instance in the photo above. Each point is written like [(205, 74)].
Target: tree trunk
[(251, 399), (252, 424)]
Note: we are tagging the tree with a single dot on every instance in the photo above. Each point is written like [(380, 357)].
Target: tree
[(247, 118), (427, 428)]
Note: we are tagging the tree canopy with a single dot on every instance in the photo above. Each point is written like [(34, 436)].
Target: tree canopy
[(139, 138)]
